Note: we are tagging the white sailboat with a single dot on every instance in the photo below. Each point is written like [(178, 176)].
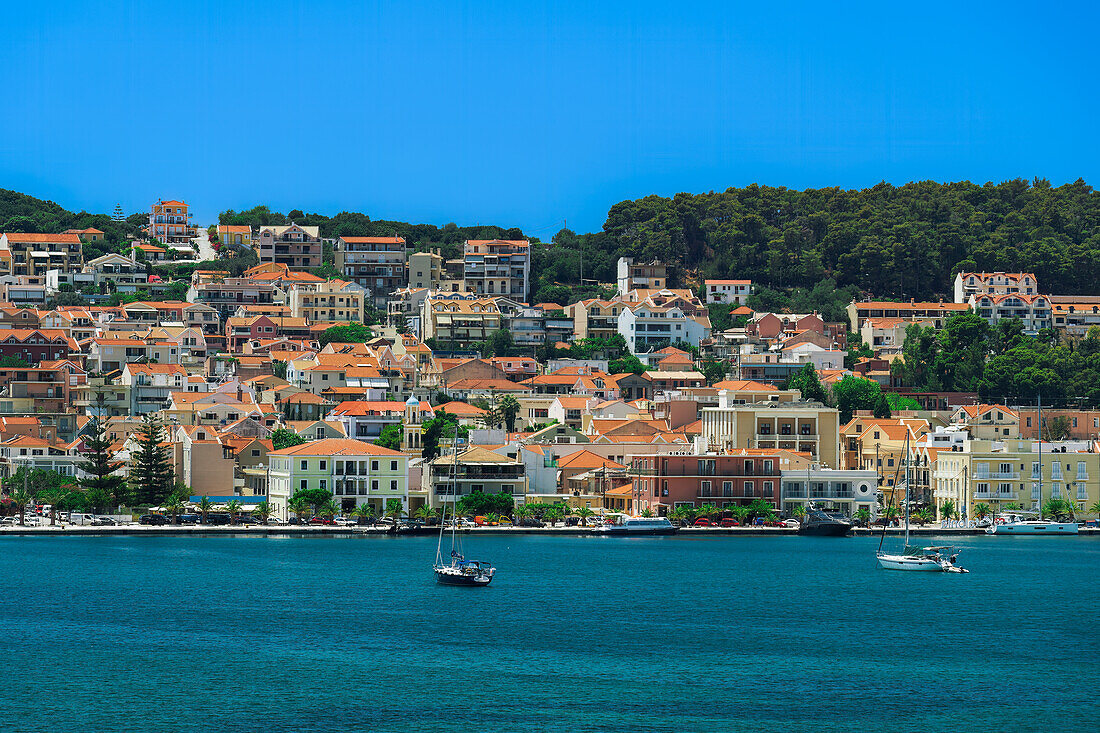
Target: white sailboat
[(459, 571), (917, 559), (1015, 522)]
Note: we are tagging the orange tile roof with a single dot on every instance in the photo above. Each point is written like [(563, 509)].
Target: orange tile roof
[(337, 447), (30, 237)]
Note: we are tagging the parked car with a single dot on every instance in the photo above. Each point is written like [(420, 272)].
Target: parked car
[(153, 520), (791, 523), (727, 522), (703, 522), (104, 521)]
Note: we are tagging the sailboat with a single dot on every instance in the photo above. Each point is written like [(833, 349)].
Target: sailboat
[(919, 559), (459, 570), (1016, 521)]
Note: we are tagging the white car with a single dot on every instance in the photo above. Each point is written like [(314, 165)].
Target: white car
[(792, 523)]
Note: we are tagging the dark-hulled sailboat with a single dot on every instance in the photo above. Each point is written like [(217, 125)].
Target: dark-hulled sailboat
[(459, 571)]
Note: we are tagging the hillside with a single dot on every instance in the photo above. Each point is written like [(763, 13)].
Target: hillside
[(22, 213)]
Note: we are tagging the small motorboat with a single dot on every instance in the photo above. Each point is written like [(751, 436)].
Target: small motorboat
[(821, 524)]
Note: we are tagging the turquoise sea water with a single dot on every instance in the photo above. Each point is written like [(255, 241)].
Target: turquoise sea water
[(575, 633)]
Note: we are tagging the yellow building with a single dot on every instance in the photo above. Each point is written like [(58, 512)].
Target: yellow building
[(877, 444), (997, 473), (595, 318), (459, 318), (794, 426)]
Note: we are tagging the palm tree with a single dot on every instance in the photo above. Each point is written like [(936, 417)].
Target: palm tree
[(924, 516), (21, 497), (1095, 507), (329, 509), (364, 512), (553, 515), (566, 510), (234, 508), (174, 505), (947, 509), (262, 511), (205, 505), (981, 510), (863, 516), (799, 512), (492, 519), (1011, 506), (647, 512), (423, 513), (584, 513), (891, 514), (53, 497), (708, 510), (524, 511), (394, 509)]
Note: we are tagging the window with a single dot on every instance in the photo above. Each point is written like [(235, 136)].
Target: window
[(324, 485), (303, 484), (748, 488), (767, 467), (374, 465), (768, 489), (374, 485), (727, 488), (393, 485), (255, 452), (324, 467), (704, 488), (393, 465), (305, 465)]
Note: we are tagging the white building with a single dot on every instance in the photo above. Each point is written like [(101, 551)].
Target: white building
[(994, 283), (830, 489), (649, 327), (727, 291), (1032, 310)]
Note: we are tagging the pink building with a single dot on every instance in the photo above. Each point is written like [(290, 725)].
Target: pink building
[(661, 483)]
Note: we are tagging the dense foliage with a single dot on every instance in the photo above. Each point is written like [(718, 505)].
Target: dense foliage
[(1001, 363), (22, 213)]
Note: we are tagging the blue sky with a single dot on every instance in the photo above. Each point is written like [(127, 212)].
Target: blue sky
[(527, 114)]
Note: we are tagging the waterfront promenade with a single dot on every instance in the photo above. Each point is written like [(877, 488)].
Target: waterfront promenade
[(284, 530)]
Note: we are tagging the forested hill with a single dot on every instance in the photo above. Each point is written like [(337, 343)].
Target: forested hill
[(899, 242), (22, 213)]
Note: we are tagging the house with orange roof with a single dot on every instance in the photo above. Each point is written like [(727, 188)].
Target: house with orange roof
[(938, 313), (294, 245), (35, 345), (355, 472), (988, 422), (33, 453), (969, 284), (238, 236), (663, 319), (479, 469), (375, 264), (568, 410), (595, 318), (887, 335), (35, 254), (91, 234), (727, 292), (1033, 311), (497, 267), (170, 223), (366, 419), (151, 385)]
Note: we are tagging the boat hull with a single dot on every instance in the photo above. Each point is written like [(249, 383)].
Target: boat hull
[(1034, 528), (448, 576), (910, 564), (628, 532), (826, 529)]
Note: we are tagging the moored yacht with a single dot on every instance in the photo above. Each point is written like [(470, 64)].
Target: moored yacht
[(622, 524), (1016, 523), (818, 523)]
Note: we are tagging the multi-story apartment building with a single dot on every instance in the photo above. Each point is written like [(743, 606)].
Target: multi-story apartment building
[(629, 276), (663, 482), (727, 292), (968, 284), (151, 385), (37, 254), (170, 223), (375, 263), (653, 324), (1069, 424), (426, 270), (1033, 311), (937, 313), (1074, 315), (112, 354), (123, 273), (835, 490), (459, 318), (355, 472), (228, 294), (35, 345), (1012, 471), (332, 300), (297, 247), (477, 469), (988, 422), (595, 318), (497, 267), (795, 426)]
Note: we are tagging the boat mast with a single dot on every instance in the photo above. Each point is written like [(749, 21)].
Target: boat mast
[(454, 490), (1040, 507), (906, 486)]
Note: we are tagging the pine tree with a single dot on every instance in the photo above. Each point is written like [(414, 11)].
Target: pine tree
[(151, 471), (101, 485)]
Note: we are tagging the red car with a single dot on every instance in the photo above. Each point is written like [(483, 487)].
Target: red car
[(702, 522), (727, 522)]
